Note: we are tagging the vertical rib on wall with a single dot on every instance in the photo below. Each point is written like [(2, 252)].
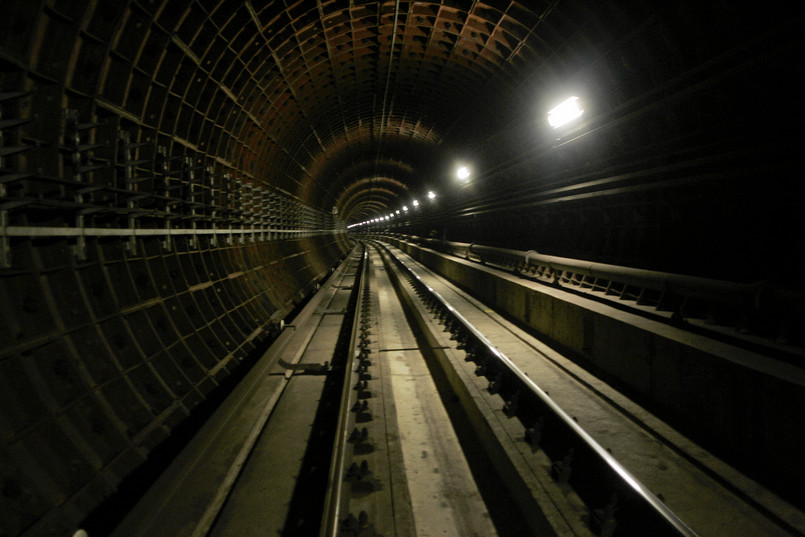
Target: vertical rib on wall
[(100, 359)]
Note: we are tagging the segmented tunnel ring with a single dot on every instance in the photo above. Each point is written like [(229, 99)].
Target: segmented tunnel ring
[(176, 178)]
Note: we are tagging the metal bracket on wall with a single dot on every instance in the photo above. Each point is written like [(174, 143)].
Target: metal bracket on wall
[(190, 179), (81, 159), (131, 190), (132, 182), (82, 165), (10, 148), (80, 246), (5, 244)]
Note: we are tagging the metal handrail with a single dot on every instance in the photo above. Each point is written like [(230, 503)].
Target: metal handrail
[(661, 281), (765, 298)]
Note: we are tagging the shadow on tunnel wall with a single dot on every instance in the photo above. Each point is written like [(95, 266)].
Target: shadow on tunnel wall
[(102, 359)]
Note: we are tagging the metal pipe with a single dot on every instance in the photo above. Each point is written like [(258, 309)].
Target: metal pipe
[(42, 231), (726, 292)]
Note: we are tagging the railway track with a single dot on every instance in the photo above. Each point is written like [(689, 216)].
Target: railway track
[(432, 415)]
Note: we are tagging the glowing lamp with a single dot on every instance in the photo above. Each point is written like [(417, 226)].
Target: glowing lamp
[(565, 112)]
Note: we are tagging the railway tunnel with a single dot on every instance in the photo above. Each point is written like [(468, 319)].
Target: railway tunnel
[(177, 178)]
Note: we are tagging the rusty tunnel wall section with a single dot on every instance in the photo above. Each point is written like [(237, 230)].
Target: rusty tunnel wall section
[(144, 251)]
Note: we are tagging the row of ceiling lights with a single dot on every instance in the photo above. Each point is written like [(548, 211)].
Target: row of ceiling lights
[(562, 114), (398, 212)]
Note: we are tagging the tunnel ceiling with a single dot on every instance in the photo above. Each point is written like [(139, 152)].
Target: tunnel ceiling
[(340, 92), (310, 97), (357, 107)]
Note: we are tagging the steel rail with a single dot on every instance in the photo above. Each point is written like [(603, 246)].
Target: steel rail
[(333, 502), (606, 486)]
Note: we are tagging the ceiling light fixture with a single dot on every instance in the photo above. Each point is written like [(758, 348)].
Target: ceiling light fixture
[(565, 112)]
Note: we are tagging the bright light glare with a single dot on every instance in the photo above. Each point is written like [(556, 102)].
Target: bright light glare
[(405, 207), (431, 195), (463, 172), (397, 211), (565, 112), (416, 203)]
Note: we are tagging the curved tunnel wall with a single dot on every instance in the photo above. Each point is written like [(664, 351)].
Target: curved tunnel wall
[(109, 341), (102, 359), (235, 128)]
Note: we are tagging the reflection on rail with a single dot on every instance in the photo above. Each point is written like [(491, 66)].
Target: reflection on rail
[(604, 485)]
